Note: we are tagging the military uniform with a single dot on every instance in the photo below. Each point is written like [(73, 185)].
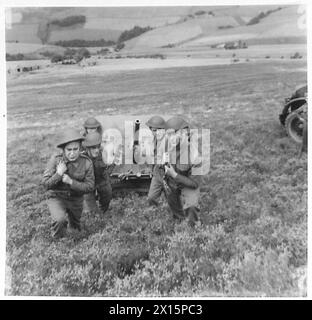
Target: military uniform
[(103, 187), (92, 123), (183, 191), (156, 186), (67, 200)]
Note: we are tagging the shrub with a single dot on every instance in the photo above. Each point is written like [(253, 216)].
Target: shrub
[(68, 21), (77, 55), (83, 53), (268, 273), (14, 57), (260, 16), (132, 33), (84, 43), (56, 58), (225, 27), (190, 258), (119, 46), (103, 51), (69, 52), (200, 12), (296, 56), (170, 45), (48, 54)]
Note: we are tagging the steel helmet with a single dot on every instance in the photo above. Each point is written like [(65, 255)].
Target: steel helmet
[(70, 135), (156, 122), (91, 123), (92, 139), (176, 123)]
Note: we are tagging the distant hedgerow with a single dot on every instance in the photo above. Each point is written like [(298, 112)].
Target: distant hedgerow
[(84, 43), (68, 21), (132, 33)]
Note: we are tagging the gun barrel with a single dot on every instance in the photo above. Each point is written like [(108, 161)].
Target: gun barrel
[(136, 131), (136, 138)]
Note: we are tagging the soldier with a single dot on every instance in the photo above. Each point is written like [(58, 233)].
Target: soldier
[(68, 176), (304, 144), (92, 125), (181, 186), (103, 188), (157, 126)]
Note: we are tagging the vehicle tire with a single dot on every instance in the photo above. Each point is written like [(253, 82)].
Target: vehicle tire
[(294, 127)]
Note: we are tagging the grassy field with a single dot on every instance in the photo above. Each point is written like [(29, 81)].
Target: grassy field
[(253, 239)]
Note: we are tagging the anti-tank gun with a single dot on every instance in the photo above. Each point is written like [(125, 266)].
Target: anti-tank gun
[(294, 115), (127, 150)]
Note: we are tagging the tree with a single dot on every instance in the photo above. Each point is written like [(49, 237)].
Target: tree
[(119, 46), (85, 53), (132, 33), (69, 21), (56, 58), (81, 54)]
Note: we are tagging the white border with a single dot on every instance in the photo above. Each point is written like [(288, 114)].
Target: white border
[(117, 3)]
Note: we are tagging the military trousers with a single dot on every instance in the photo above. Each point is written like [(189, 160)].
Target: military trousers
[(104, 193), (64, 210), (184, 203), (155, 190)]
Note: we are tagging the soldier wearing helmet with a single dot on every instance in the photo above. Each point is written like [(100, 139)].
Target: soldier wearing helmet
[(92, 125), (68, 176), (103, 188), (157, 126), (182, 192)]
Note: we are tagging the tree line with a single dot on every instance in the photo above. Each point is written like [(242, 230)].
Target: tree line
[(84, 43), (69, 21)]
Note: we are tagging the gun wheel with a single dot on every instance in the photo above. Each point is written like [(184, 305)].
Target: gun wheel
[(294, 127)]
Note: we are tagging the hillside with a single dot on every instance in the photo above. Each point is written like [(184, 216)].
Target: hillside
[(165, 35), (181, 32), (101, 22), (207, 30), (172, 24)]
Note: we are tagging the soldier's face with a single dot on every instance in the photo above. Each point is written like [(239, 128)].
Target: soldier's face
[(183, 135), (94, 151), (173, 138), (71, 151), (91, 130), (176, 137), (158, 133)]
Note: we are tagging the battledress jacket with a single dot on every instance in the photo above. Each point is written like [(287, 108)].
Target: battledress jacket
[(101, 170), (184, 178), (80, 171)]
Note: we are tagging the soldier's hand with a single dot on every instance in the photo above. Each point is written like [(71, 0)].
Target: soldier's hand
[(61, 168), (165, 158), (169, 171), (66, 179)]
